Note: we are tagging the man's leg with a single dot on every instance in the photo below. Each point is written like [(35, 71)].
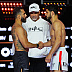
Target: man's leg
[(59, 61), (40, 67), (37, 65), (58, 70), (21, 69), (51, 71)]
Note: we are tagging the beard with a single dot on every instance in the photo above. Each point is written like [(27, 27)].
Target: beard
[(23, 19), (34, 18), (48, 18)]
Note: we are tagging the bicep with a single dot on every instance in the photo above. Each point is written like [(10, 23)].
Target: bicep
[(58, 31), (21, 33)]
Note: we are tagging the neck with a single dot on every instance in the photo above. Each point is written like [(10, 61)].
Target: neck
[(18, 22), (54, 18)]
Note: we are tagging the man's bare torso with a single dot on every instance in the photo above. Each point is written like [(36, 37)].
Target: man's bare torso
[(18, 45), (52, 33)]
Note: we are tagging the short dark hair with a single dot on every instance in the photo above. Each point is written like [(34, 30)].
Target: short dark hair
[(53, 8), (16, 11)]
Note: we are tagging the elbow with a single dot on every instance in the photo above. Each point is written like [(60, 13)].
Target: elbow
[(25, 46), (59, 42)]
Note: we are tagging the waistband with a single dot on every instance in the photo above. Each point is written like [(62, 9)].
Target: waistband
[(20, 51), (61, 47)]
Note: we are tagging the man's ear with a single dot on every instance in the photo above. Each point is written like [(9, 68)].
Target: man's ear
[(39, 11), (52, 13), (19, 16)]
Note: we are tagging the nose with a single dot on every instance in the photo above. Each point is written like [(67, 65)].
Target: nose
[(25, 15)]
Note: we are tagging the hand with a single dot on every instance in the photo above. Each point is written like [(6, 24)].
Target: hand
[(41, 45), (48, 58)]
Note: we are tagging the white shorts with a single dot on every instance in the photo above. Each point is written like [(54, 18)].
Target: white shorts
[(59, 58)]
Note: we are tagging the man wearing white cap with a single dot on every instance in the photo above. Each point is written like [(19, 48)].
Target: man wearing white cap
[(37, 30)]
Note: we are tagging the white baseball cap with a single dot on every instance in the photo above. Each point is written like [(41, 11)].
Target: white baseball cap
[(34, 7)]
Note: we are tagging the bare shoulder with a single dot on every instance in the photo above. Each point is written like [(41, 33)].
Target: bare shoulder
[(62, 25), (21, 30), (56, 24), (16, 28)]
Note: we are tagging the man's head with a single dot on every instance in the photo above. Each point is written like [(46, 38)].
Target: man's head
[(20, 14), (34, 11), (51, 11)]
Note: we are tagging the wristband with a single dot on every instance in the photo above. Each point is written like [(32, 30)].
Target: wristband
[(37, 45)]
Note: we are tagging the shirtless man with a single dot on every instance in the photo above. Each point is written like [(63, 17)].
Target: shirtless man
[(21, 63), (58, 55)]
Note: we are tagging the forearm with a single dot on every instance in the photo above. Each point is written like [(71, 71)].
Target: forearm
[(55, 47), (47, 44), (30, 45)]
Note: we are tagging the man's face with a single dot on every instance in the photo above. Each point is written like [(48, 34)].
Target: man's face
[(23, 16), (48, 14), (34, 16)]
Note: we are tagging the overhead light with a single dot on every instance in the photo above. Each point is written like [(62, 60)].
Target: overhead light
[(5, 9), (60, 8), (1, 3), (54, 3), (20, 4), (2, 9), (8, 4), (14, 4), (43, 8), (44, 3), (47, 3), (17, 4), (59, 12), (5, 4), (11, 4), (11, 9), (42, 12)]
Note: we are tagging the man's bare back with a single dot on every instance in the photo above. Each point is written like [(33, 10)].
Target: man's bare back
[(63, 33), (18, 45)]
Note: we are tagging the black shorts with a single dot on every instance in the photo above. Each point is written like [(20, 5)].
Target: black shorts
[(21, 61), (37, 65)]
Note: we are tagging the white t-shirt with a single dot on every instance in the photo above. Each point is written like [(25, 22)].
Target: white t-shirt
[(37, 31)]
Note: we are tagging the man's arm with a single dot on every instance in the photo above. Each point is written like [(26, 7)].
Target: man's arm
[(23, 39), (47, 44), (58, 36)]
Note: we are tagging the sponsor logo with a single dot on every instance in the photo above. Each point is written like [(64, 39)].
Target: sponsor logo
[(65, 64), (35, 29), (33, 7)]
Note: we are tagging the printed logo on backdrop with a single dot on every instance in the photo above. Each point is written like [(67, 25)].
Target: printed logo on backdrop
[(36, 29)]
